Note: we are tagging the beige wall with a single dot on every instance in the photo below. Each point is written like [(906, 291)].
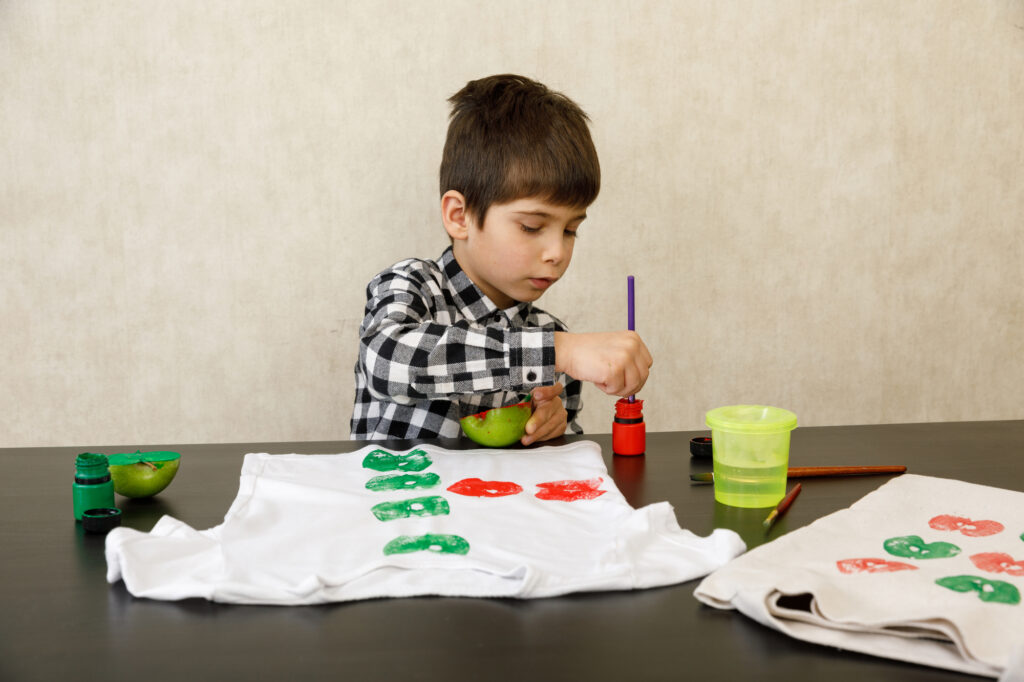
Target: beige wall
[(822, 203)]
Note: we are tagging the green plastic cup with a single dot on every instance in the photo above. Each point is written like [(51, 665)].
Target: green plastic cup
[(750, 452)]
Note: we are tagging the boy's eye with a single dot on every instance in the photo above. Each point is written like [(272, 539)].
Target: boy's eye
[(571, 234), (530, 229)]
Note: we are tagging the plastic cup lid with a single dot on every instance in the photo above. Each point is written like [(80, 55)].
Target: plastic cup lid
[(751, 419)]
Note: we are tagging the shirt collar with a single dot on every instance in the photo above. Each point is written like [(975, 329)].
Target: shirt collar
[(471, 301)]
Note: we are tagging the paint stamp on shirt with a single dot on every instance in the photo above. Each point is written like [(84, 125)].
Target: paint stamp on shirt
[(434, 505), (998, 562), (402, 481), (988, 590), (966, 526), (382, 460), (913, 547), (571, 491), (440, 544), (872, 565), (475, 487)]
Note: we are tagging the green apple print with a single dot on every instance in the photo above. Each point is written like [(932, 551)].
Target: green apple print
[(988, 590), (417, 506), (382, 460), (441, 544), (913, 547), (402, 481)]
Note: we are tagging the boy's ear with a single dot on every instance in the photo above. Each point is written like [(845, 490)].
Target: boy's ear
[(453, 213)]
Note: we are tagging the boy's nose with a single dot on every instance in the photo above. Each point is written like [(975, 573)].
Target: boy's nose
[(554, 251)]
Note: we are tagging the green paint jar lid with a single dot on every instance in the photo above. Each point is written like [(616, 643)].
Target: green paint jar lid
[(751, 419), (101, 519)]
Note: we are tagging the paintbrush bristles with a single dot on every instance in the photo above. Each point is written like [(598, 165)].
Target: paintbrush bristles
[(783, 506)]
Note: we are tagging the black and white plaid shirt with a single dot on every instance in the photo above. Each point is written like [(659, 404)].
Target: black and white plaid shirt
[(433, 348)]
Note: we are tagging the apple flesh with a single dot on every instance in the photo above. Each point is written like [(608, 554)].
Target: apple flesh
[(499, 427), (143, 474)]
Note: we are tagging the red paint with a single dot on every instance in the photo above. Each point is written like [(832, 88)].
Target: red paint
[(972, 529), (570, 491), (474, 487), (997, 562), (629, 433), (872, 566)]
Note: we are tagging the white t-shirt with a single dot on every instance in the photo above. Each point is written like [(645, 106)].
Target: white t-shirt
[(308, 529)]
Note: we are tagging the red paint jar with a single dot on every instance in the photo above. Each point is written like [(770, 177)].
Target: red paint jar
[(629, 433)]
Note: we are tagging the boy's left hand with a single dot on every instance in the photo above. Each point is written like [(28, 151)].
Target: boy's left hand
[(549, 419)]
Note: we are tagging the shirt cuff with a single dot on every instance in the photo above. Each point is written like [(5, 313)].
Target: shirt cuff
[(531, 358)]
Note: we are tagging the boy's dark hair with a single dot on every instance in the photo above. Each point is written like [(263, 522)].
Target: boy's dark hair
[(511, 137)]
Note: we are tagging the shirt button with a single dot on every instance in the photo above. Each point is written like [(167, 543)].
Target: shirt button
[(531, 376)]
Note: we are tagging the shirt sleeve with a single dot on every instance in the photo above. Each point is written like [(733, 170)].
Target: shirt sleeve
[(573, 401), (407, 355)]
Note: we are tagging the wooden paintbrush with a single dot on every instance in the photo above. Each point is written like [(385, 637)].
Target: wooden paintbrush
[(809, 472), (783, 506)]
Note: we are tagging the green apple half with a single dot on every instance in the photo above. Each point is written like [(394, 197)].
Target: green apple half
[(143, 474), (498, 427)]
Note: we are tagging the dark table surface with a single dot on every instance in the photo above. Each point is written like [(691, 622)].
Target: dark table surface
[(59, 619)]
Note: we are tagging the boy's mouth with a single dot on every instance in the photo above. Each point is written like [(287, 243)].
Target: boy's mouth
[(541, 282)]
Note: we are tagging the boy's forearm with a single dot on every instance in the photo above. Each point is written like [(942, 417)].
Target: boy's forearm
[(562, 342)]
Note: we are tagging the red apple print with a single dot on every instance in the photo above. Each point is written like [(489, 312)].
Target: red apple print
[(872, 566), (474, 487), (570, 491), (997, 562), (972, 529)]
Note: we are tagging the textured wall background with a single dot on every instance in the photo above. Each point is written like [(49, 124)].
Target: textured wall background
[(823, 203)]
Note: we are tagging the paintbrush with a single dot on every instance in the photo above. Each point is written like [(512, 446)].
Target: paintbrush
[(810, 472), (630, 314), (781, 509)]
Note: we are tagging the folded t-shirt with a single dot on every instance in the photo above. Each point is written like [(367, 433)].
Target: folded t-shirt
[(923, 569), (309, 529)]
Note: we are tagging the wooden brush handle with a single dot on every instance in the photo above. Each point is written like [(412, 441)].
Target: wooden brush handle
[(808, 472)]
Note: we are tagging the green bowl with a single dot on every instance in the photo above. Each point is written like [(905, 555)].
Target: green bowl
[(498, 427)]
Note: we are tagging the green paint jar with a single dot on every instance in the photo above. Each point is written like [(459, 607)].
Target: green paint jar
[(93, 488)]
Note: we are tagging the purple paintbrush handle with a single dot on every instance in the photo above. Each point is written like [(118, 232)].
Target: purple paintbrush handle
[(630, 309), (630, 313)]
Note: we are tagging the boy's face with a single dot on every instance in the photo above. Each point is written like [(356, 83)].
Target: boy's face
[(523, 248)]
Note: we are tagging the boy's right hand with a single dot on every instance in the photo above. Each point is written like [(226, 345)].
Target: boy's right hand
[(618, 363)]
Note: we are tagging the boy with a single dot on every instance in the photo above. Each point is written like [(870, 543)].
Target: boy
[(447, 338)]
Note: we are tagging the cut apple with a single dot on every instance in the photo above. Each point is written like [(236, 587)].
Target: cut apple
[(143, 474), (498, 427)]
